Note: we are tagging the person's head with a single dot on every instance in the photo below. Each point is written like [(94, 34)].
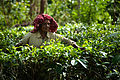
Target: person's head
[(45, 26), (45, 23)]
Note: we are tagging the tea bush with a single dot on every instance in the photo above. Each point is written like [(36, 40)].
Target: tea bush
[(58, 61)]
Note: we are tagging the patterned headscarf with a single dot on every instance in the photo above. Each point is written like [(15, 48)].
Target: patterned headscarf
[(41, 18)]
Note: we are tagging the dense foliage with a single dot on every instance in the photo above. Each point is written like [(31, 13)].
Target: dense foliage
[(93, 24), (59, 61)]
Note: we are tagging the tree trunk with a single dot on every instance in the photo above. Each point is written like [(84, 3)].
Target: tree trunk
[(42, 6), (31, 7)]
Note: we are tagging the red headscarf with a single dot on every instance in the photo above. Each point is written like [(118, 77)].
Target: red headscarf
[(41, 18)]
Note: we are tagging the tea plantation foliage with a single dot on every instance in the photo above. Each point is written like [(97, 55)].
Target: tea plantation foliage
[(93, 24), (57, 61)]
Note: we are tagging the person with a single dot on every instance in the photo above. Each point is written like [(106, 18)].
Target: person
[(44, 30)]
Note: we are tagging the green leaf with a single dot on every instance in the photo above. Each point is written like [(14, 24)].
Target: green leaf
[(116, 59)]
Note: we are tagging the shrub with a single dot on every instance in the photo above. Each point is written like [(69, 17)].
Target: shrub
[(59, 61)]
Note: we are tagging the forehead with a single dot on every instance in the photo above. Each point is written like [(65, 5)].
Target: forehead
[(46, 21)]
